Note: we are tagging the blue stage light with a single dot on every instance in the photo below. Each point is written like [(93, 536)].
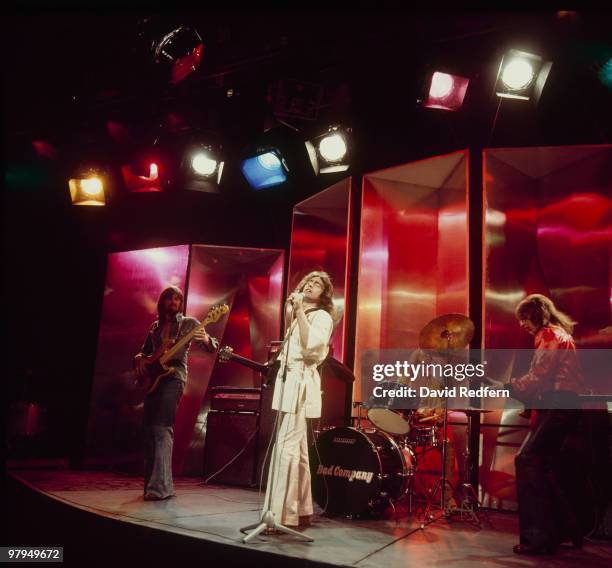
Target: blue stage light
[(265, 170)]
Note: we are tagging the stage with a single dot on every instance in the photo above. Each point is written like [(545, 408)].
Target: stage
[(104, 515)]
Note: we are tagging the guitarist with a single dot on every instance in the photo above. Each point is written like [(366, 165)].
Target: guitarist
[(160, 405)]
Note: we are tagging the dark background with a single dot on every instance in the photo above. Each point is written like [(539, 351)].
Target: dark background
[(67, 73)]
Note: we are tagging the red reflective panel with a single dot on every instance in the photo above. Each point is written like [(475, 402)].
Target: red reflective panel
[(413, 256), (548, 229), (320, 240), (134, 280), (250, 281)]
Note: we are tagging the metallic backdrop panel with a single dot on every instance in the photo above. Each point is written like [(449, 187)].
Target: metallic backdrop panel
[(134, 280), (548, 229), (250, 281), (413, 257), (320, 240)]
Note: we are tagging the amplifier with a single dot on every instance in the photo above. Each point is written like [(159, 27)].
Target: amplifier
[(235, 399), (230, 448)]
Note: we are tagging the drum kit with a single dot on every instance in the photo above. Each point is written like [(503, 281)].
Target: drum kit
[(361, 470)]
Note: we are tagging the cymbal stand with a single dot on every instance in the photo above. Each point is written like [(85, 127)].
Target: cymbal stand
[(470, 504), (359, 406), (442, 482)]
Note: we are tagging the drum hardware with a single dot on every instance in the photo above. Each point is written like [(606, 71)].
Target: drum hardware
[(468, 500), (359, 406), (424, 436), (450, 331)]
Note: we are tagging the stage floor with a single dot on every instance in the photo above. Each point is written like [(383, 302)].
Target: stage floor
[(216, 513)]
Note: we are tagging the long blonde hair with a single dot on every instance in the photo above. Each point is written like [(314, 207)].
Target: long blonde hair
[(541, 311)]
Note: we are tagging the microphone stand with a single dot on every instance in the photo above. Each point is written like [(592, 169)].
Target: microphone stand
[(268, 520)]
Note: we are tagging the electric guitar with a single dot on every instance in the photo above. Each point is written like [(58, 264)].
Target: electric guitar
[(156, 364), (268, 369)]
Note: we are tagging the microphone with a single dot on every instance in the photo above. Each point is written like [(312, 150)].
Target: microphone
[(295, 297)]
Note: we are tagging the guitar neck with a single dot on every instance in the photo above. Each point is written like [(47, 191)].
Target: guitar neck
[(259, 367), (168, 355)]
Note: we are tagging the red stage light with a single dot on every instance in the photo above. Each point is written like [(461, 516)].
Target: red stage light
[(446, 91), (186, 65), (141, 184)]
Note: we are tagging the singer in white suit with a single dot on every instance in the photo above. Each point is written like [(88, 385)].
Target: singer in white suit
[(310, 310)]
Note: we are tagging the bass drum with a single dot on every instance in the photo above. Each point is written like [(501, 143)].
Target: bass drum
[(357, 471)]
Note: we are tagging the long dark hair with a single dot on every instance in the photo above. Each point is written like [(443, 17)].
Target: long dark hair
[(166, 293), (326, 300), (541, 311)]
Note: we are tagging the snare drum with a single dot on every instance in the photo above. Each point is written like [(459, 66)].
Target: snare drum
[(356, 471)]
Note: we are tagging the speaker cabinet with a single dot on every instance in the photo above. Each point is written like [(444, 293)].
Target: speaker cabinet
[(227, 435)]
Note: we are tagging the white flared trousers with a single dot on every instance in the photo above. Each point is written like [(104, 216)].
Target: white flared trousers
[(288, 493)]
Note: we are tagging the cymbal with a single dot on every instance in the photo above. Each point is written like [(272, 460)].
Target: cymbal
[(450, 331)]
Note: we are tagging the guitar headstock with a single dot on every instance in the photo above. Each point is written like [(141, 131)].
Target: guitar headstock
[(215, 314), (225, 353)]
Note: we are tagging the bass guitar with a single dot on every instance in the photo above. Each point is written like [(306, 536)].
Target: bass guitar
[(156, 364)]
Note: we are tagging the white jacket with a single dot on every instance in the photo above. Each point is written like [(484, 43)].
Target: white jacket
[(303, 379)]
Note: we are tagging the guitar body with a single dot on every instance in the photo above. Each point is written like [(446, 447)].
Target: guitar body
[(156, 372)]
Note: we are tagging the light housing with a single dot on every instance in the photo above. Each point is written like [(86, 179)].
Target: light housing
[(521, 76), (267, 168), (180, 50), (445, 91), (202, 167), (330, 152), (142, 176), (88, 186)]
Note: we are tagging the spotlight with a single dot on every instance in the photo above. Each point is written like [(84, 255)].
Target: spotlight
[(446, 91), (202, 167), (333, 148), (605, 74), (521, 76), (266, 169), (203, 164), (176, 49), (142, 177), (329, 152), (87, 187)]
